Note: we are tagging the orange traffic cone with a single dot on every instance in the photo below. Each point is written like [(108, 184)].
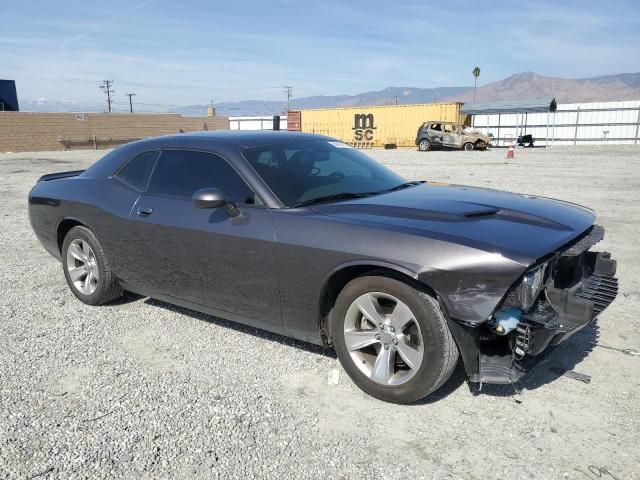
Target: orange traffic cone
[(511, 152)]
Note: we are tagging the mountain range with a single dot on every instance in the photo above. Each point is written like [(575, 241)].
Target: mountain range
[(525, 85)]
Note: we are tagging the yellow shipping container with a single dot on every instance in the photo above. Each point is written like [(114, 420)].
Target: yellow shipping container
[(377, 126)]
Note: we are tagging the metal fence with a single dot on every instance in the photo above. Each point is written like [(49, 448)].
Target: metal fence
[(571, 124)]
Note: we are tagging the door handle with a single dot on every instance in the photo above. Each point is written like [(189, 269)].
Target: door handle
[(145, 212)]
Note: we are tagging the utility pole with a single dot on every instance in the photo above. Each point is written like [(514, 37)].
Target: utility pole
[(288, 89), (107, 88), (130, 101)]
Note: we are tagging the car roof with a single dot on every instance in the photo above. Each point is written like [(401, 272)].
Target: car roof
[(219, 140), (239, 138)]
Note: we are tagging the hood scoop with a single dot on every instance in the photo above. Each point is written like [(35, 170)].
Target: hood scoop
[(448, 211), (482, 213)]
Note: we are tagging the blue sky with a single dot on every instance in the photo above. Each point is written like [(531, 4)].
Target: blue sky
[(187, 52)]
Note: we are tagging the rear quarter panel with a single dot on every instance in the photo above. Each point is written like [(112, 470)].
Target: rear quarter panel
[(103, 205)]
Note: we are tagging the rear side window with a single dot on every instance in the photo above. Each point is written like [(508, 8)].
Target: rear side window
[(181, 173), (136, 173)]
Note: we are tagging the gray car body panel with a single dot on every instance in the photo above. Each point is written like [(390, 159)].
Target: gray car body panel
[(269, 266)]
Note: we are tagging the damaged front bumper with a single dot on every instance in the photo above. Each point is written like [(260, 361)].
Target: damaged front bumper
[(577, 286)]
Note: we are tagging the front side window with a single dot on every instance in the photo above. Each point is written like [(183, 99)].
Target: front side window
[(436, 126), (300, 172), (180, 173), (136, 173)]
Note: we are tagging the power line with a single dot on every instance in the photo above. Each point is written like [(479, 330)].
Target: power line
[(106, 87), (130, 101)]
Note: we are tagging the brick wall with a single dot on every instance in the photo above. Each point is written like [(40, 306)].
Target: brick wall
[(27, 131)]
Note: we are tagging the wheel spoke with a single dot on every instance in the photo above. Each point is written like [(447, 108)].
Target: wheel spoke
[(77, 273), (86, 249), (76, 252), (359, 339), (370, 308), (401, 316), (411, 356), (86, 288), (383, 367)]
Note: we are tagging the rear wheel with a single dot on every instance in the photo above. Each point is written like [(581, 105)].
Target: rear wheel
[(424, 145), (86, 268), (469, 147), (391, 339)]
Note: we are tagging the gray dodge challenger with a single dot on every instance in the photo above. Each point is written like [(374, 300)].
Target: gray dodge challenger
[(301, 235)]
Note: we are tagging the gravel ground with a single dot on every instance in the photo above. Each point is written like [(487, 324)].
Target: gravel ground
[(144, 389)]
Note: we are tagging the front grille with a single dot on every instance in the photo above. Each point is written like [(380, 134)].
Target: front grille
[(601, 290)]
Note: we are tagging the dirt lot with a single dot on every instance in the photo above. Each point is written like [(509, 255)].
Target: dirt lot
[(144, 389)]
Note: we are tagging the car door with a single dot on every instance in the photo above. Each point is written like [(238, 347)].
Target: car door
[(451, 136), (121, 192), (206, 256), (435, 133)]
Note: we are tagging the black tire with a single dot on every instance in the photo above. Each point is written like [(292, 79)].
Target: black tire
[(440, 352), (107, 288), (424, 145), (468, 147)]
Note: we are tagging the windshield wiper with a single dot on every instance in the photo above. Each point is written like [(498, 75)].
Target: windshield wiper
[(405, 185), (337, 196), (347, 196)]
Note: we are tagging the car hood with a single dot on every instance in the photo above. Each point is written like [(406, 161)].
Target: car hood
[(521, 227), (478, 135)]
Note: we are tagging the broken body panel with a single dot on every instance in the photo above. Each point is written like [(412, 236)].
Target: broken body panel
[(576, 285)]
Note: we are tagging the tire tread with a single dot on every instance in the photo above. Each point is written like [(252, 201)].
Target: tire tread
[(450, 358)]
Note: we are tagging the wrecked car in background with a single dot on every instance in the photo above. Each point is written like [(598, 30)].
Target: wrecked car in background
[(304, 236), (435, 135)]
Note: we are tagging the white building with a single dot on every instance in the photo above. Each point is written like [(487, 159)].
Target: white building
[(256, 123), (570, 123)]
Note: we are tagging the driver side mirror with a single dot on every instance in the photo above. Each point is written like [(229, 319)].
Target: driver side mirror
[(214, 198)]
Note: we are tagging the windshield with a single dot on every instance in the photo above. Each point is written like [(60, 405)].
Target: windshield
[(302, 172)]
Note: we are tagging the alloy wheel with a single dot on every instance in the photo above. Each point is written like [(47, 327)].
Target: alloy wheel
[(82, 266), (383, 338)]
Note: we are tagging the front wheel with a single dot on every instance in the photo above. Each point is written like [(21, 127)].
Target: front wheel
[(391, 339), (424, 145), (469, 147), (86, 268)]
